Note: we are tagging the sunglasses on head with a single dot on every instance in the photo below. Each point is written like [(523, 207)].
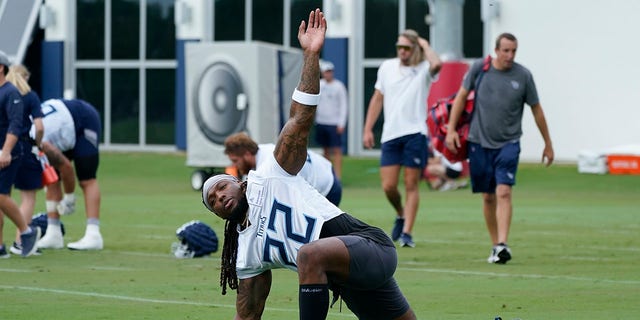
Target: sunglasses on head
[(403, 47)]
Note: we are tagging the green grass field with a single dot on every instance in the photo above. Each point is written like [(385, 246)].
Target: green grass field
[(575, 241)]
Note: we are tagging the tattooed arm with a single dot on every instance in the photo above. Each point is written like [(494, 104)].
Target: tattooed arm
[(291, 147), (252, 296)]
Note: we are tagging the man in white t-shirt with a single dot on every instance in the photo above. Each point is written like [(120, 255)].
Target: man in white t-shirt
[(401, 90), (247, 155)]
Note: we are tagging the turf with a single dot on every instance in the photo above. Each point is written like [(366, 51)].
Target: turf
[(575, 241)]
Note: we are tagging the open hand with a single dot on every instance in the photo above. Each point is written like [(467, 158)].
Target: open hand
[(311, 36)]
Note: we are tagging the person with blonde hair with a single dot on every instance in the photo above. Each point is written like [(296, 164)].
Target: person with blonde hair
[(15, 145), (21, 70), (29, 177), (401, 91)]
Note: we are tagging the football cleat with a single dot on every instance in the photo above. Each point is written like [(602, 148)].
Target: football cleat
[(407, 241), (397, 229), (52, 238), (92, 240), (29, 240)]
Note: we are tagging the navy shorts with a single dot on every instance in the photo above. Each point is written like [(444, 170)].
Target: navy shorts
[(372, 292), (327, 136), (86, 167), (29, 176), (9, 174), (409, 151), (491, 167)]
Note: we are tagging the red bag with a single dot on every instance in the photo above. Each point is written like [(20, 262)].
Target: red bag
[(437, 122), (438, 118)]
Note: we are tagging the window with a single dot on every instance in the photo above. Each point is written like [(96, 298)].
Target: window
[(381, 28), (417, 10), (161, 108), (267, 21), (125, 29), (90, 30), (473, 30), (229, 20), (90, 88), (161, 32), (370, 76), (125, 106), (300, 9)]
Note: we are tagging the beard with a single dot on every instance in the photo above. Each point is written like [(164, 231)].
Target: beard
[(240, 211)]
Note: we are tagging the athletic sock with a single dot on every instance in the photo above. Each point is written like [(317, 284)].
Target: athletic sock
[(313, 301)]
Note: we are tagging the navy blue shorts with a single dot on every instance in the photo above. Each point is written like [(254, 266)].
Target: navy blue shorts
[(86, 167), (491, 167), (409, 151), (29, 176), (372, 292), (9, 174), (327, 136)]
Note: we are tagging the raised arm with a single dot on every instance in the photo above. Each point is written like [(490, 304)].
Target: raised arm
[(434, 60), (291, 147)]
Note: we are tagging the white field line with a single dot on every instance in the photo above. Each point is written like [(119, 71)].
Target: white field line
[(465, 272), (147, 300), (603, 248), (518, 275)]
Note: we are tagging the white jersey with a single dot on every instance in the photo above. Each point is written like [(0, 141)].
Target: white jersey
[(285, 213), (404, 91), (317, 170), (59, 128)]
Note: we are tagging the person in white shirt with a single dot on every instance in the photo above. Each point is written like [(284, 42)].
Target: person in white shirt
[(401, 90), (246, 155), (331, 116), (275, 219)]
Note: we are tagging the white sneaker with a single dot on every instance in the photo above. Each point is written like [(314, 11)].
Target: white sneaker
[(52, 238), (500, 254), (92, 240)]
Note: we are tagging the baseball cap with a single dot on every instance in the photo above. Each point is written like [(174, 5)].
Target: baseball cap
[(4, 59), (326, 66)]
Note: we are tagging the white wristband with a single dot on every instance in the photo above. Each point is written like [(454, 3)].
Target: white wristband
[(305, 98)]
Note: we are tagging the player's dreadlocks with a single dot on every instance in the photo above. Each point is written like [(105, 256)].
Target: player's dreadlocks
[(228, 275), (229, 254)]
